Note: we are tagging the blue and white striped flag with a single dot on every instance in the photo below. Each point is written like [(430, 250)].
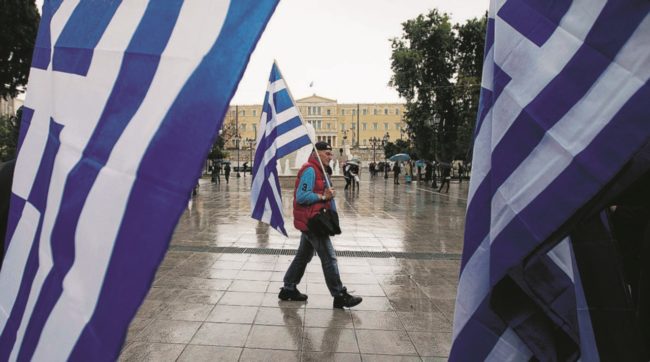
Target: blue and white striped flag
[(563, 108), (281, 133), (125, 99)]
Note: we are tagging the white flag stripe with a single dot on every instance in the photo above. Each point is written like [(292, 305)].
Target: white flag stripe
[(509, 348), (15, 261), (93, 239), (64, 162), (290, 136), (475, 282), (562, 257), (277, 86), (287, 115)]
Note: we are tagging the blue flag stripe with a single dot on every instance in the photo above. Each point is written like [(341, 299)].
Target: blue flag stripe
[(42, 48), (74, 48)]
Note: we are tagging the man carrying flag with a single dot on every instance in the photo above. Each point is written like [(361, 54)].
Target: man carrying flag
[(313, 192), (282, 131)]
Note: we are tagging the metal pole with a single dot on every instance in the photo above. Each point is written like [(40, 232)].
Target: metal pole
[(358, 129), (237, 136)]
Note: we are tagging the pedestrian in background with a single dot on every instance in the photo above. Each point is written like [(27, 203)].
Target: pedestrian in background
[(396, 171), (226, 172)]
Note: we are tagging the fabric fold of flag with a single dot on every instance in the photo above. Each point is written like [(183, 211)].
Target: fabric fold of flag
[(120, 112), (281, 132), (562, 112)]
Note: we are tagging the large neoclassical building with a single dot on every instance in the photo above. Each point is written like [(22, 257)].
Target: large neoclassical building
[(340, 124)]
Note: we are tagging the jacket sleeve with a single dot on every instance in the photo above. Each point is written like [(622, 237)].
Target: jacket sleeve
[(305, 194)]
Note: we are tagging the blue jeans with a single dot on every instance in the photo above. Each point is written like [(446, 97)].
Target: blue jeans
[(325, 251)]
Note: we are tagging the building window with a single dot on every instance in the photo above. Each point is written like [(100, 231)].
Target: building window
[(342, 126), (254, 112), (365, 111), (343, 112), (375, 126), (397, 111), (243, 112), (328, 112), (385, 111), (375, 111), (328, 125), (354, 112), (386, 126), (397, 127), (364, 125), (354, 125)]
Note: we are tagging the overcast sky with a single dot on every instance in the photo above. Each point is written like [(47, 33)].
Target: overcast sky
[(340, 46)]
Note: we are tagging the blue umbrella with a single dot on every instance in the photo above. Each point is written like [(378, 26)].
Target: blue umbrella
[(419, 163), (400, 157)]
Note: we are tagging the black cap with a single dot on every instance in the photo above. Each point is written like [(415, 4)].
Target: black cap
[(323, 146)]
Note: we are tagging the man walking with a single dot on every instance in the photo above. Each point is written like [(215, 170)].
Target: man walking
[(226, 172), (310, 195)]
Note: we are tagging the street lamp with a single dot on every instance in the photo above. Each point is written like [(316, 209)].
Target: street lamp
[(384, 142), (251, 142), (237, 139), (435, 122), (374, 141)]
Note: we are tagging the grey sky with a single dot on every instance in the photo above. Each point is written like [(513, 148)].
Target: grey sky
[(341, 46)]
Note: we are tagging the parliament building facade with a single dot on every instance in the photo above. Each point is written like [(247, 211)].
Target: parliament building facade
[(340, 124)]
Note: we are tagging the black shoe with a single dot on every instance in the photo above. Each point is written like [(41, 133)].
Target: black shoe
[(295, 295), (346, 300)]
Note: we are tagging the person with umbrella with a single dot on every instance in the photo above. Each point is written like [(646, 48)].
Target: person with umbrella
[(397, 158)]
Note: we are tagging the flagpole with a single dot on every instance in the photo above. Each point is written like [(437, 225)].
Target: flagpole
[(302, 121)]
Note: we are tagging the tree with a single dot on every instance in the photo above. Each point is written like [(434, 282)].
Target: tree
[(9, 129), (437, 68), (470, 44), (400, 146), (18, 27), (217, 151), (423, 67)]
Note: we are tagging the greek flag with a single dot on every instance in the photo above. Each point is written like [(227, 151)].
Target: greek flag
[(563, 109), (124, 100), (281, 133)]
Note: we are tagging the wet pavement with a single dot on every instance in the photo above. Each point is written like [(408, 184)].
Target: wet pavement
[(215, 295)]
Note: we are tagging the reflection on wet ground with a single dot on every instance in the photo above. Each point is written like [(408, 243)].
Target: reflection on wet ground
[(214, 300)]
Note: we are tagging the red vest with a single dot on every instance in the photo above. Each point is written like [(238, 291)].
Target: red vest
[(302, 213)]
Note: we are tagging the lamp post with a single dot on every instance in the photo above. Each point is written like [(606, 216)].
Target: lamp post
[(384, 142), (237, 139), (251, 142), (374, 141), (435, 122)]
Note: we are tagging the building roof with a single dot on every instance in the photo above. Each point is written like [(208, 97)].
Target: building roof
[(315, 99)]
